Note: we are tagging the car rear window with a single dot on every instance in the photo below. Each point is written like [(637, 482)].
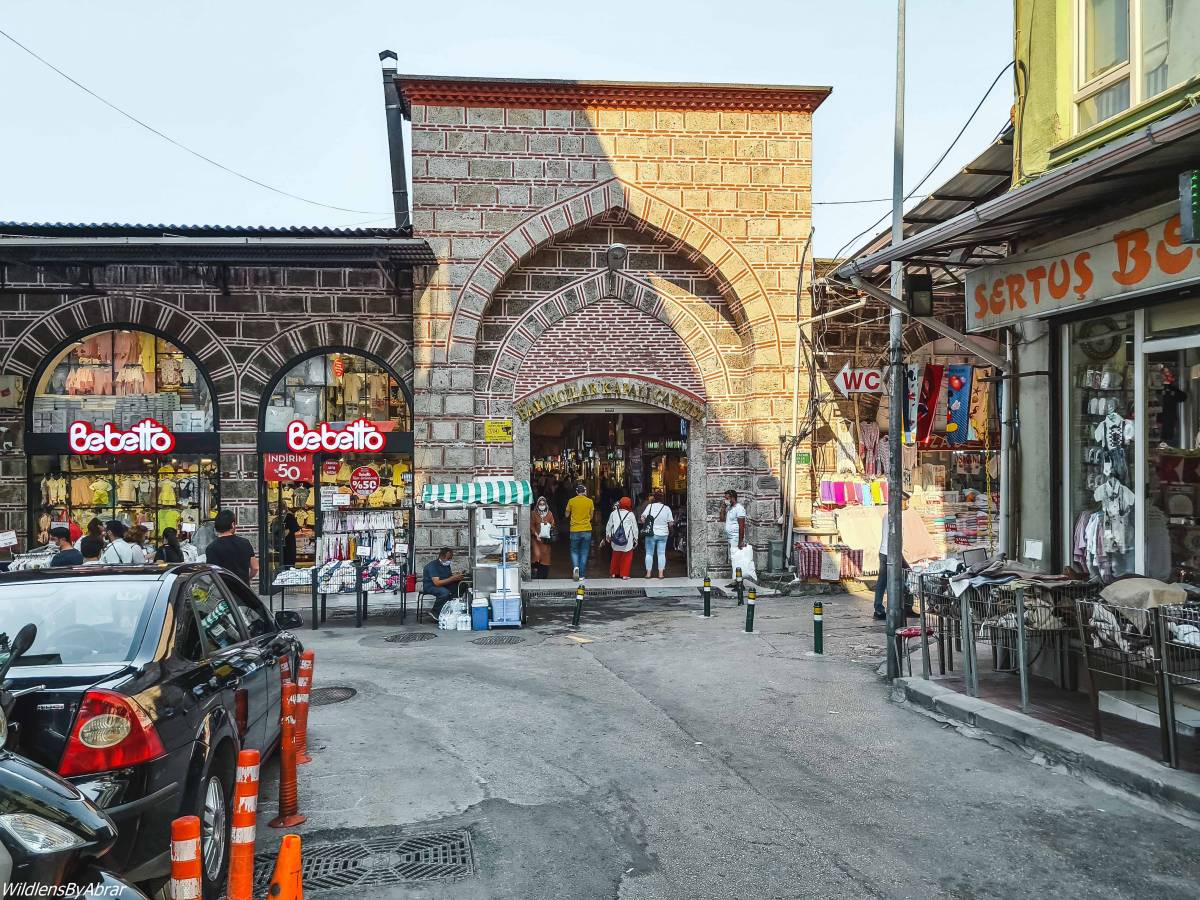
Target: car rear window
[(78, 620)]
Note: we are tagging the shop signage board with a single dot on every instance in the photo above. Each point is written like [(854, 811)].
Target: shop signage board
[(584, 389), (364, 481), (340, 499), (330, 467), (498, 431), (147, 436), (287, 467), (359, 436), (858, 381), (8, 539), (1134, 256), (328, 492)]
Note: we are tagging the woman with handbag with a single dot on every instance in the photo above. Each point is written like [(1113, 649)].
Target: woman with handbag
[(543, 528), (621, 532), (657, 521)]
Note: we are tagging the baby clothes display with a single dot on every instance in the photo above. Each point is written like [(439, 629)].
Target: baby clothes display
[(1113, 433)]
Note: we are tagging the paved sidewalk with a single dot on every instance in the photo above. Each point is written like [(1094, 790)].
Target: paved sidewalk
[(660, 755)]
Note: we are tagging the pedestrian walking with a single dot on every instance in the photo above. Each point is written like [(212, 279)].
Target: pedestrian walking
[(542, 528), (882, 581), (170, 551), (657, 521), (230, 550), (735, 527), (67, 555), (621, 532), (580, 512), (119, 551), (95, 530)]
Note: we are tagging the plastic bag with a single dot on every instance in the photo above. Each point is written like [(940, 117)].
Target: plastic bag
[(448, 617), (743, 558)]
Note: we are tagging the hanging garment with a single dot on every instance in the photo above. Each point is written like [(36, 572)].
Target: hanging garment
[(125, 349), (868, 447), (958, 403), (981, 392), (913, 376), (931, 388)]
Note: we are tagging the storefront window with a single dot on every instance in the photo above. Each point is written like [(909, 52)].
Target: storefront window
[(1101, 439), (122, 377), (337, 388), (1174, 319)]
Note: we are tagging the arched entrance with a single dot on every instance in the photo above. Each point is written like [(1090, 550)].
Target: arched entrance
[(355, 401), (630, 420), (122, 423)]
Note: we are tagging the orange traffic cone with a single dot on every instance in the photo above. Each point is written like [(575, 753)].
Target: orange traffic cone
[(185, 859), (245, 816), (303, 689), (289, 800), (287, 880)]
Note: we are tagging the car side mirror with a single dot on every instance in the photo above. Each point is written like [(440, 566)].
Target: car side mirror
[(287, 619)]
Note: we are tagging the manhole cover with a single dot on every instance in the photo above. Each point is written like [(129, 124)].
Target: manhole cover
[(323, 696), (493, 640), (376, 861), (410, 637)]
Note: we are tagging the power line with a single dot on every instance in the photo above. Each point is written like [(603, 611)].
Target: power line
[(940, 160), (171, 140), (856, 202)]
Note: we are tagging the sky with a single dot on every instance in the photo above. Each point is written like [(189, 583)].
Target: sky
[(290, 93)]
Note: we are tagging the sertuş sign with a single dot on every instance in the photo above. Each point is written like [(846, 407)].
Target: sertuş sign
[(287, 467), (364, 481), (360, 436), (858, 381), (147, 436), (1133, 256)]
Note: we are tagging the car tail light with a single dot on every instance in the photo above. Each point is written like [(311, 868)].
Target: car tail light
[(111, 731)]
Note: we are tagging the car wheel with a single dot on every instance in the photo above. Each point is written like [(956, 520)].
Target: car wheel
[(213, 809)]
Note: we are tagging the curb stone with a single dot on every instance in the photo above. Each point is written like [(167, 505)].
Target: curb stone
[(1115, 766)]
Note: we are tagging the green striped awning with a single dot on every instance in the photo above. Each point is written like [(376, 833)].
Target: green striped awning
[(482, 493)]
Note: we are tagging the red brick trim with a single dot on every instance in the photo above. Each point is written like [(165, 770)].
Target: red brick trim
[(469, 92)]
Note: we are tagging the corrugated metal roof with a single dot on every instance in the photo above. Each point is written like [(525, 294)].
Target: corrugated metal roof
[(123, 229)]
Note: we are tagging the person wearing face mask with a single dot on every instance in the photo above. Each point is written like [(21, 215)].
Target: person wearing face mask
[(541, 527)]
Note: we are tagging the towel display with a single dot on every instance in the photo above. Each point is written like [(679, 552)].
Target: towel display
[(958, 403)]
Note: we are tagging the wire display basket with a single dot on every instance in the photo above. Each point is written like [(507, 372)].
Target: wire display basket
[(1181, 642)]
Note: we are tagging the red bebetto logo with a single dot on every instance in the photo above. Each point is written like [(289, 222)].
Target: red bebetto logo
[(359, 436), (147, 436)]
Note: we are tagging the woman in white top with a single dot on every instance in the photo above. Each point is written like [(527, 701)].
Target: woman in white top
[(121, 552), (657, 521), (621, 532)]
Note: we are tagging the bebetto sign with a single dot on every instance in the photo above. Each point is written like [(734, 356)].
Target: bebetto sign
[(360, 436), (147, 436)]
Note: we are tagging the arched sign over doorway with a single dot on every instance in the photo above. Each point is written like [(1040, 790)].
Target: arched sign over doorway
[(335, 443), (122, 423), (610, 395)]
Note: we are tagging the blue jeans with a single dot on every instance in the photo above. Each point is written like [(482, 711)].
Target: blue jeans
[(656, 544), (881, 586), (581, 547)]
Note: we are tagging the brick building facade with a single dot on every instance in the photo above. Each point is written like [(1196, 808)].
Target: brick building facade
[(522, 187)]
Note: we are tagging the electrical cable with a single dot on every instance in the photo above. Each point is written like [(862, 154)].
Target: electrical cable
[(176, 143), (838, 256)]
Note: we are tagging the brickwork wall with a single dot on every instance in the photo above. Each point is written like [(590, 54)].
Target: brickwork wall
[(720, 196), (242, 338)]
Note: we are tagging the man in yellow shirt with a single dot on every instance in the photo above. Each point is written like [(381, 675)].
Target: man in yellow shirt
[(580, 511)]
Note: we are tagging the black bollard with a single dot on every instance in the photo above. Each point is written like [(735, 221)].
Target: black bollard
[(751, 599), (707, 592), (818, 626), (578, 606), (738, 585)]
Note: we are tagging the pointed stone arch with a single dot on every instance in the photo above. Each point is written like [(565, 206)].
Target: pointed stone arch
[(688, 235)]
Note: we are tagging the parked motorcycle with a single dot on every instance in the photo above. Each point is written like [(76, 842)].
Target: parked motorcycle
[(50, 833)]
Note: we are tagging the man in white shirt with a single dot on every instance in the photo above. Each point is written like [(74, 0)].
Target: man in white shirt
[(119, 551), (735, 526), (882, 579)]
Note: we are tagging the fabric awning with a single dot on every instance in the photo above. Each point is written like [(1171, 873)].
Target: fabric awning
[(506, 492)]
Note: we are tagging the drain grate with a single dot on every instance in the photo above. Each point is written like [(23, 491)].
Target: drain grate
[(377, 861), (335, 693), (410, 637), (496, 640)]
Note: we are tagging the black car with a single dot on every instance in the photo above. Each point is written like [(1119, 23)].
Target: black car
[(149, 680)]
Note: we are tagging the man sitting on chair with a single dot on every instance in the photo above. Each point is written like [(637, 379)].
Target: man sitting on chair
[(438, 581)]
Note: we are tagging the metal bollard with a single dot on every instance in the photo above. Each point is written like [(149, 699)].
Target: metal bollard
[(751, 599), (706, 591), (818, 626), (578, 606), (737, 580)]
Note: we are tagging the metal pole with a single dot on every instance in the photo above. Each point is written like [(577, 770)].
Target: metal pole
[(818, 626), (707, 592), (578, 606), (968, 644), (788, 460), (1006, 414), (358, 610), (751, 599), (925, 667), (1022, 651), (315, 592), (895, 554)]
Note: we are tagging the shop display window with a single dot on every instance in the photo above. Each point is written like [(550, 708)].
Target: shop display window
[(337, 387), (122, 377), (156, 492), (1101, 440)]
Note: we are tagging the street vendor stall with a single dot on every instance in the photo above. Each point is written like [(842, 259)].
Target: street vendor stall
[(495, 542)]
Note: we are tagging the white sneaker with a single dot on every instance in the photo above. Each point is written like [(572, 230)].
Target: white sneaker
[(575, 573)]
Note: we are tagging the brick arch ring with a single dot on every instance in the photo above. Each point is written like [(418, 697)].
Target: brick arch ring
[(89, 314), (690, 235), (590, 289), (265, 363)]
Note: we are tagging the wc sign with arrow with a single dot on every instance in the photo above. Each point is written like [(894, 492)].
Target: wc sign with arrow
[(859, 381)]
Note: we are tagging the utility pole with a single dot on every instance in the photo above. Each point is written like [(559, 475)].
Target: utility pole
[(895, 542)]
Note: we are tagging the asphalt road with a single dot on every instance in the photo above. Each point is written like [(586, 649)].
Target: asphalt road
[(673, 757)]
